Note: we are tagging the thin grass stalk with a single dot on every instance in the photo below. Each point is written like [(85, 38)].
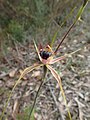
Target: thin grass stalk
[(77, 18), (66, 18), (64, 37)]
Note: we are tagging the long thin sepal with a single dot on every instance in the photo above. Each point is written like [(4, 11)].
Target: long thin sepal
[(27, 70), (63, 57), (57, 59), (57, 77), (37, 50)]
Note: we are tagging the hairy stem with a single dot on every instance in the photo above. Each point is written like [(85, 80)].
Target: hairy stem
[(42, 82), (35, 99)]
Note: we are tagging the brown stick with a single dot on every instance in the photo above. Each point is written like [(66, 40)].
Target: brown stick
[(77, 17)]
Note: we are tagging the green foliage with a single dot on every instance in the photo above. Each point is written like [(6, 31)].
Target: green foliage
[(39, 13), (32, 16), (4, 21), (16, 30)]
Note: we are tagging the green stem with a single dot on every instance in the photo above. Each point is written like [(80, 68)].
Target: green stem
[(42, 82), (35, 99)]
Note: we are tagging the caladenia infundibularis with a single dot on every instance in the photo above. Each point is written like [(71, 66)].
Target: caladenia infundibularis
[(48, 57)]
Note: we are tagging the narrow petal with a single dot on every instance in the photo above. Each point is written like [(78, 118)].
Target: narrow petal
[(27, 70), (37, 50), (57, 59), (57, 77), (63, 57)]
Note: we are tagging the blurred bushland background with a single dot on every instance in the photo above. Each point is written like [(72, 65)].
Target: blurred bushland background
[(22, 19)]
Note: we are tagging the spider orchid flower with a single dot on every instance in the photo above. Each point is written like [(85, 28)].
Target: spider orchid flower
[(46, 57)]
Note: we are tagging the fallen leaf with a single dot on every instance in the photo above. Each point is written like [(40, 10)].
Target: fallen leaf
[(36, 74), (36, 115), (15, 109), (12, 72), (80, 107)]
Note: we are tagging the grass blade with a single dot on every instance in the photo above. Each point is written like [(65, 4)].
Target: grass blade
[(66, 18), (57, 77), (77, 18), (81, 10), (27, 70)]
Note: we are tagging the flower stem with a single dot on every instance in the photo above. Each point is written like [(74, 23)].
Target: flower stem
[(35, 99), (42, 82)]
